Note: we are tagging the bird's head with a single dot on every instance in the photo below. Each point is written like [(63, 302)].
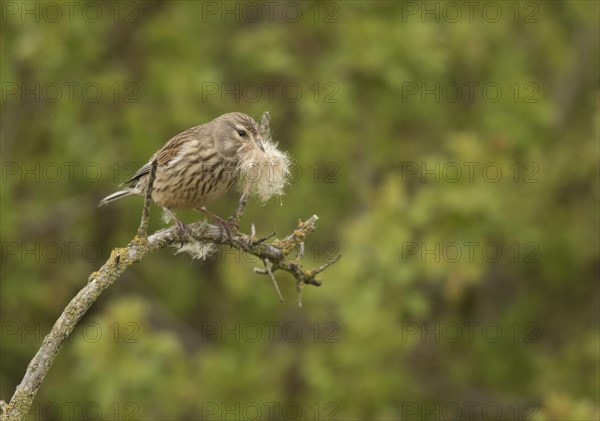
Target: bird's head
[(237, 134)]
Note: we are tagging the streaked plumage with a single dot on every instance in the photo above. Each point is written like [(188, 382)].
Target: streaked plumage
[(198, 165)]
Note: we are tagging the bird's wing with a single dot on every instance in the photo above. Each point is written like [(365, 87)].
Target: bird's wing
[(168, 152), (175, 144), (139, 174)]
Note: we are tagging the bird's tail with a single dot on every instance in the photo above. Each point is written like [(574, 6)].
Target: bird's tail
[(115, 196)]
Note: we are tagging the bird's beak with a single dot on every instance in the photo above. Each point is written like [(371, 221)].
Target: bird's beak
[(260, 144)]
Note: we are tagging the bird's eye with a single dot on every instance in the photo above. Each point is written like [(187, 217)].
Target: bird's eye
[(242, 133)]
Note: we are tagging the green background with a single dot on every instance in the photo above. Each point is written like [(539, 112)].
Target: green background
[(452, 161)]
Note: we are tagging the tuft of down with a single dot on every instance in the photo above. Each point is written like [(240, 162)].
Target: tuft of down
[(264, 174)]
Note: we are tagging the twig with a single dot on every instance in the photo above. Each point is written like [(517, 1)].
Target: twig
[(235, 218), (143, 228), (263, 239), (264, 128), (325, 265), (299, 293), (270, 272)]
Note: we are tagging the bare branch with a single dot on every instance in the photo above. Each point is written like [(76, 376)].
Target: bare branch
[(264, 127), (143, 228), (235, 218), (274, 255), (270, 272)]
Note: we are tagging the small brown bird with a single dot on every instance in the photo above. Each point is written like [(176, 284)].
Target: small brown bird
[(198, 165)]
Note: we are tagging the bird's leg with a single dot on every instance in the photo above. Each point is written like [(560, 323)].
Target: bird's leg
[(227, 226), (182, 228)]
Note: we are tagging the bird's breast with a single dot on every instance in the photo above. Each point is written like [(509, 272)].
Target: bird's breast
[(194, 182)]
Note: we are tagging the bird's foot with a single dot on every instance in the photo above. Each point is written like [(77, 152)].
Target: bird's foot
[(229, 227), (234, 223), (183, 230)]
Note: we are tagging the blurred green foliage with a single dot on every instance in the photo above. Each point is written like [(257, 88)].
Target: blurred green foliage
[(402, 328)]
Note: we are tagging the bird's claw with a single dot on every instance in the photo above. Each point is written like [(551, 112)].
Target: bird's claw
[(230, 227), (233, 223), (183, 231)]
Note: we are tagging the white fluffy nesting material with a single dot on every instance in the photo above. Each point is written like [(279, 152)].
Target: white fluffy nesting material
[(197, 249), (264, 174)]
